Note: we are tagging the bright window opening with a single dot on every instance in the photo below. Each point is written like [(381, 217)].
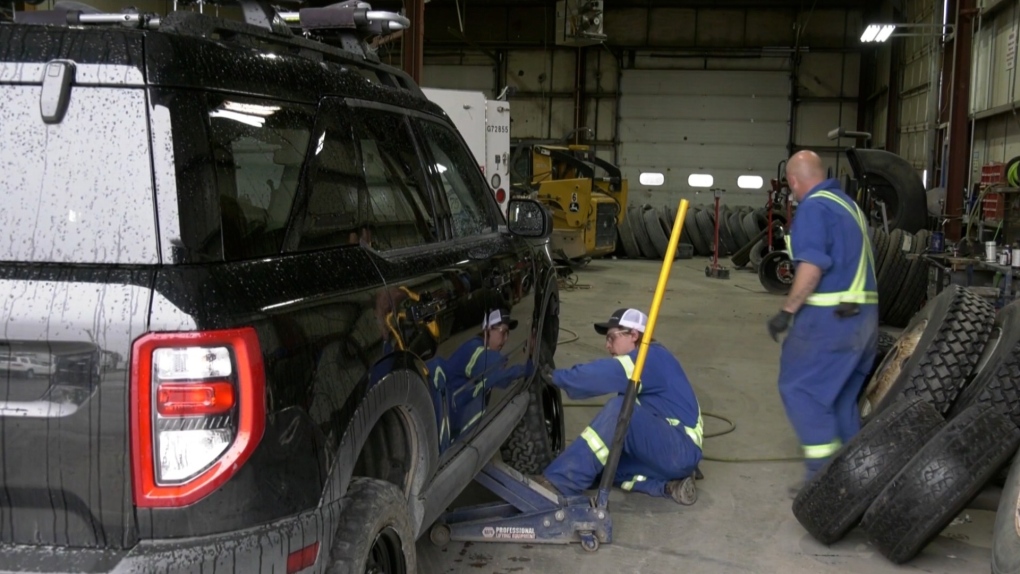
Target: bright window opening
[(750, 182), (700, 180), (652, 178)]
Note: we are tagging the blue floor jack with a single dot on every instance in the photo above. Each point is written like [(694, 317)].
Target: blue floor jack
[(533, 514)]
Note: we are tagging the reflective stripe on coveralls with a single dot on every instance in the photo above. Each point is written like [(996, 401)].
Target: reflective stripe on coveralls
[(855, 293), (822, 450), (629, 485)]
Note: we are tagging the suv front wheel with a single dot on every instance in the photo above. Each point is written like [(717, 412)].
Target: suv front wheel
[(538, 437), (374, 534)]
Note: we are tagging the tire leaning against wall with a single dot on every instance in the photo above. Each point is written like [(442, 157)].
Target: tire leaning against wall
[(939, 481), (936, 354), (834, 500)]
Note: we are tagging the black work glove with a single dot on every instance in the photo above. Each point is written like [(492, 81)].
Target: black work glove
[(779, 323)]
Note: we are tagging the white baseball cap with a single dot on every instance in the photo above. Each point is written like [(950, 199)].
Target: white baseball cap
[(624, 318), (497, 317)]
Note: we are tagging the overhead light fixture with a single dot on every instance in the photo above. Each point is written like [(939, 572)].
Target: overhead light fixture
[(882, 32), (877, 32)]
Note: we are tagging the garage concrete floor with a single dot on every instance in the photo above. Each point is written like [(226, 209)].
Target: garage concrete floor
[(742, 521)]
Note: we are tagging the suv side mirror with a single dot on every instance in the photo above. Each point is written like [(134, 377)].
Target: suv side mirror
[(528, 218)]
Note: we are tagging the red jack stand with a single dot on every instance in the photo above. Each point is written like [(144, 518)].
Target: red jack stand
[(714, 270)]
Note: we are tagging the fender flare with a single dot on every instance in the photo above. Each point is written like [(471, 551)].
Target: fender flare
[(405, 390)]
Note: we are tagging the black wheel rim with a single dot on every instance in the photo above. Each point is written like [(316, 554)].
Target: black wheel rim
[(884, 191), (387, 555), (777, 272), (552, 408)]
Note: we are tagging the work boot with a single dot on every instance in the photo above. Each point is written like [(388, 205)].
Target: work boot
[(542, 481), (682, 491)]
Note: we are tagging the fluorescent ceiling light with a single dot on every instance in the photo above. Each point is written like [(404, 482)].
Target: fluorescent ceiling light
[(651, 178), (700, 180), (870, 33), (887, 31), (877, 32), (750, 182)]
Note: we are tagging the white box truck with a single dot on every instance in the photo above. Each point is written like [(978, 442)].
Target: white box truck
[(485, 125)]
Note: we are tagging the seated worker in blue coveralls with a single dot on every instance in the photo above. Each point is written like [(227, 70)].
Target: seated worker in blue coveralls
[(833, 309), (663, 445), (477, 367)]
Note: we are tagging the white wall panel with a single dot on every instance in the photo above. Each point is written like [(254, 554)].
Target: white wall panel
[(816, 119)]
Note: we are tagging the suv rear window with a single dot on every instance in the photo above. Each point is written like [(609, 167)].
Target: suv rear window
[(66, 199)]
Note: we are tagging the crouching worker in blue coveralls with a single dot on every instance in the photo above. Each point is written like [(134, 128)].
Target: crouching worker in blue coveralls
[(831, 314), (479, 366), (663, 444)]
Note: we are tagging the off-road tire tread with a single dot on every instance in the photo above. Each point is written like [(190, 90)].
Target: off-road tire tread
[(529, 447), (834, 500), (947, 363), (371, 505), (939, 481)]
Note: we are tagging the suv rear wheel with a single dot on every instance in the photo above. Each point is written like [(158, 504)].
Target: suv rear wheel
[(538, 437), (374, 534)]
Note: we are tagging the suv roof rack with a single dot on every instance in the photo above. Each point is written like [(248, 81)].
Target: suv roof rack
[(352, 22)]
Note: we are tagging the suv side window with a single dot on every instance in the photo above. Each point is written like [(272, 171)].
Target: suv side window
[(257, 152), (460, 181), (398, 209), (337, 210)]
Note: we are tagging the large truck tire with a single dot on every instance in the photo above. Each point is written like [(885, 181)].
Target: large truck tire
[(1006, 533), (910, 294), (750, 224), (627, 239), (996, 380), (894, 269), (653, 228), (879, 245), (893, 180), (736, 225), (637, 225), (725, 234), (935, 355), (832, 502), (939, 481), (703, 219), (691, 227)]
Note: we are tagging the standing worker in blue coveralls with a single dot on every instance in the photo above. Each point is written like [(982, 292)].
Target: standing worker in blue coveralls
[(831, 313), (663, 444)]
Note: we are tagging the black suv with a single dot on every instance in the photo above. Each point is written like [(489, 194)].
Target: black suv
[(243, 255)]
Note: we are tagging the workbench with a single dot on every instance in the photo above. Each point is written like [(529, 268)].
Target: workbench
[(977, 274)]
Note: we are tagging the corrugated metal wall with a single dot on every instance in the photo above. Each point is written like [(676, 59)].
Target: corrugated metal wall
[(921, 67), (995, 87)]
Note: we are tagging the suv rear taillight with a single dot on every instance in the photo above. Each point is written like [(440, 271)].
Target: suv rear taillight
[(197, 412)]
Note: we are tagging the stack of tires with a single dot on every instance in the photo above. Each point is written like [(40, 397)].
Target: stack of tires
[(902, 282), (644, 231), (941, 419)]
